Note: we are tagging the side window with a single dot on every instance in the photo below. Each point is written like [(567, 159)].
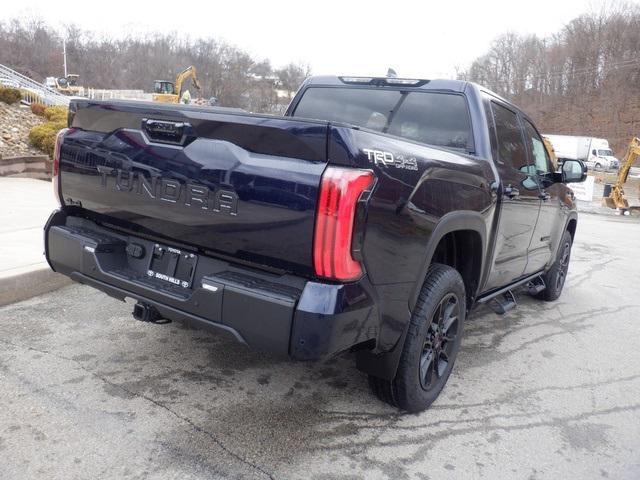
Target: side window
[(538, 152), (511, 147), (492, 129)]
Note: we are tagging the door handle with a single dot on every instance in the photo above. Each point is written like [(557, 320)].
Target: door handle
[(511, 192), (544, 196), (165, 131)]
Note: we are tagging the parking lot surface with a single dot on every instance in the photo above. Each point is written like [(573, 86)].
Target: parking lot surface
[(550, 390)]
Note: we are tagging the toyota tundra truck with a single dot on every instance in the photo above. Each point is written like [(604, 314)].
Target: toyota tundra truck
[(369, 219)]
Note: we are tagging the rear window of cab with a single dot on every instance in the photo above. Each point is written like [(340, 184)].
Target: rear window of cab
[(433, 118)]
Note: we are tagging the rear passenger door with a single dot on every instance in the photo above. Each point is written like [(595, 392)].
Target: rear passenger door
[(520, 202)]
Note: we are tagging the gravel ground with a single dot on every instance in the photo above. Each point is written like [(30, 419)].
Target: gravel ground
[(550, 390), (15, 123)]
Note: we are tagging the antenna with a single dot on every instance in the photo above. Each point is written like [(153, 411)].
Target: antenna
[(391, 73)]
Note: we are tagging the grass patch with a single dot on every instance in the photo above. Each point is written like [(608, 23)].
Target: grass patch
[(43, 136), (10, 95)]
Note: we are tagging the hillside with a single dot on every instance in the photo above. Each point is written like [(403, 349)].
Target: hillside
[(15, 123), (583, 80), (598, 114)]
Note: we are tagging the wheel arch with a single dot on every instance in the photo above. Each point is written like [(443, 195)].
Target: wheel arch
[(384, 365), (572, 224), (462, 230)]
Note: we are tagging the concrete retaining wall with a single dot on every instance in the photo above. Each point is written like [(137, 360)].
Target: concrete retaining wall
[(36, 166)]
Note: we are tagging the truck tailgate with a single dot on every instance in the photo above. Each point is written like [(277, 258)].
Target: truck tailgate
[(235, 184)]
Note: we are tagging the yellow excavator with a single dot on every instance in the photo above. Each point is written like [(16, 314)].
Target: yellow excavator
[(616, 198), (168, 92), (551, 151)]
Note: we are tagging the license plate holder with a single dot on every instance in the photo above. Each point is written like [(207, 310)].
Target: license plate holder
[(172, 265)]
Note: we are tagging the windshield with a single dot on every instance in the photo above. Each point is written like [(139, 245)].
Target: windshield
[(163, 87), (605, 153), (433, 118)]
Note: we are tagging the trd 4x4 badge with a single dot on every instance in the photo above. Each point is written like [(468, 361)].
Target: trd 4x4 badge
[(388, 159)]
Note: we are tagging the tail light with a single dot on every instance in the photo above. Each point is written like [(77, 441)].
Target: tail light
[(340, 190), (55, 169)]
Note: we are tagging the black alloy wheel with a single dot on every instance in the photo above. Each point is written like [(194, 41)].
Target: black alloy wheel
[(438, 346)]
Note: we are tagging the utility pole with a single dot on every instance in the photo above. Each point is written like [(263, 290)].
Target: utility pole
[(64, 54)]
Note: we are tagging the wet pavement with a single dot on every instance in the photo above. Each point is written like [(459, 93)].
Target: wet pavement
[(550, 390)]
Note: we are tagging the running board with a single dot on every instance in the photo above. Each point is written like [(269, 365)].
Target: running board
[(536, 286), (503, 303), (491, 295)]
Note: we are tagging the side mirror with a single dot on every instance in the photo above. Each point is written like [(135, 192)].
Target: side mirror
[(573, 171)]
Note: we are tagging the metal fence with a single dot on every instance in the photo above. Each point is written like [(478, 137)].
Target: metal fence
[(32, 91), (101, 94)]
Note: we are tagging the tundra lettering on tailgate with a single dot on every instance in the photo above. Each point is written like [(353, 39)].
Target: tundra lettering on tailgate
[(170, 190)]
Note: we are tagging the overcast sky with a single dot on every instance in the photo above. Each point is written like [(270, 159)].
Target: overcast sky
[(425, 39)]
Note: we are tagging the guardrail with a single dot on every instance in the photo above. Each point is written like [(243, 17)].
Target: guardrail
[(32, 91)]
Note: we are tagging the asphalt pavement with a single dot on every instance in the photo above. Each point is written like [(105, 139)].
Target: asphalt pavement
[(548, 391)]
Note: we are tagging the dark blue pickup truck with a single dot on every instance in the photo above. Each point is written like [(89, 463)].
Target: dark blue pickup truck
[(370, 219)]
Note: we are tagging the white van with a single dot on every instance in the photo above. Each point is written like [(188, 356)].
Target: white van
[(595, 152)]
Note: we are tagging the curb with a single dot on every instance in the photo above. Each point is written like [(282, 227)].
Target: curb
[(26, 165), (25, 282)]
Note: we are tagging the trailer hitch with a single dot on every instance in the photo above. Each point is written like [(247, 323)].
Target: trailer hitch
[(146, 313)]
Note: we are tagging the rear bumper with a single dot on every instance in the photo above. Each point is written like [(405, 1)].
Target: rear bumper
[(282, 314)]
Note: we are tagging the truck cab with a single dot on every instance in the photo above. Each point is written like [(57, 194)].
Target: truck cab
[(601, 156)]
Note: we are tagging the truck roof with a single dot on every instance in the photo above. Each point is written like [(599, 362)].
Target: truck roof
[(420, 83)]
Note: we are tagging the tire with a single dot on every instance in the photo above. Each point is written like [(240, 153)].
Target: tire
[(555, 277), (598, 167), (431, 345)]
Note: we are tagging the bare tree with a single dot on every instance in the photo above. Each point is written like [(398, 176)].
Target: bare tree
[(225, 72), (582, 80)]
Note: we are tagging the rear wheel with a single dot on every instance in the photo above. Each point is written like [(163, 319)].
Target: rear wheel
[(431, 345), (556, 276)]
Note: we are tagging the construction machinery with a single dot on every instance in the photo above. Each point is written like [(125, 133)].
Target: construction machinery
[(66, 85), (551, 151), (616, 198), (167, 92), (594, 152)]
